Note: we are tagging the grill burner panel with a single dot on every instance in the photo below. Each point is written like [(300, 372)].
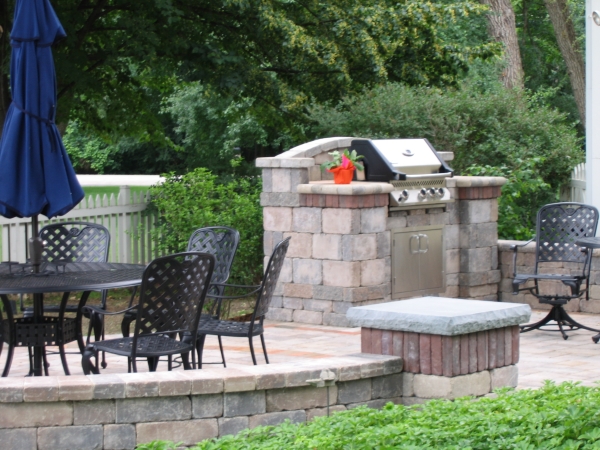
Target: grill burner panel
[(412, 166)]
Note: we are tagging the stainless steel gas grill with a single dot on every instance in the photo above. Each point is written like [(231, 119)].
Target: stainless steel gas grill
[(413, 166)]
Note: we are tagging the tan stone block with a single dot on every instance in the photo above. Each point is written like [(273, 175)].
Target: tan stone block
[(44, 414), (341, 221), (140, 385), (94, 412), (507, 376), (341, 273), (327, 246), (453, 261), (307, 271), (204, 382), (277, 219), (306, 220), (359, 247), (237, 380), (291, 399), (75, 387), (174, 383), (317, 305), (188, 432), (373, 220), (292, 303), (11, 390), (373, 272), (40, 389), (281, 180), (300, 245), (298, 290)]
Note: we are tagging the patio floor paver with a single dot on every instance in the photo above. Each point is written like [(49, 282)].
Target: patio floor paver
[(544, 354)]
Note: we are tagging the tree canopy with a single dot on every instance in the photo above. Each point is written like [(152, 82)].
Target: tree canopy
[(283, 53)]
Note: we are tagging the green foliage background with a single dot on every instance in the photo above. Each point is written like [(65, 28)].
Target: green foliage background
[(491, 130), (196, 199), (552, 417)]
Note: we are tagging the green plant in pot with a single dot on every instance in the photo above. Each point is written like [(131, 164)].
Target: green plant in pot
[(343, 164)]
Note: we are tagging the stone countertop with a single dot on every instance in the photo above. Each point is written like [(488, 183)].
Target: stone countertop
[(439, 315), (354, 188)]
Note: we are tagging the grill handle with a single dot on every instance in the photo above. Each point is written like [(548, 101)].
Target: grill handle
[(428, 176)]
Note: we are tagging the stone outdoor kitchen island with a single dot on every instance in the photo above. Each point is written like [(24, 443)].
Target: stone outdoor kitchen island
[(451, 347)]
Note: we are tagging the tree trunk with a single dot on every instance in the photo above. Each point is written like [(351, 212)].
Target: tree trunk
[(501, 25), (558, 10)]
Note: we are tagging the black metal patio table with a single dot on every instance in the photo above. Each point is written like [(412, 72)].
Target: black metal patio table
[(39, 331)]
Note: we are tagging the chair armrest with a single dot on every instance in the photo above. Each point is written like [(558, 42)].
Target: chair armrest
[(514, 248)]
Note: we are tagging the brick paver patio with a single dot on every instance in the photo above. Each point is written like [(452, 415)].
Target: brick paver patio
[(544, 355)]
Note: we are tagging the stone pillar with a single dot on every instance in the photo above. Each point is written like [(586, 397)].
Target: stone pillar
[(477, 209), (452, 347)]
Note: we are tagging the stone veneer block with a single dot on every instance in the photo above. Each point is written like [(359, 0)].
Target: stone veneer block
[(450, 356), (439, 315)]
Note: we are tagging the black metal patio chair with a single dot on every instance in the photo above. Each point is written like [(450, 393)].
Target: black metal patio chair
[(171, 299), (69, 242), (222, 242), (559, 226), (253, 323)]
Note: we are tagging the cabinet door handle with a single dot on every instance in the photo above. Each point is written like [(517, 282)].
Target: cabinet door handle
[(410, 244), (425, 239)]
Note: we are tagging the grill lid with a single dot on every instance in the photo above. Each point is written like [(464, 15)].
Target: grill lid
[(400, 159)]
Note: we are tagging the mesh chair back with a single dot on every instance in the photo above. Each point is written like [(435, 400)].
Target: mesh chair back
[(172, 293), (75, 242), (270, 279), (559, 225), (219, 241)]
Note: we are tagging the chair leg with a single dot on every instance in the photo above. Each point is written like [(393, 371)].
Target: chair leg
[(262, 341), (562, 318), (200, 348), (45, 361), (126, 324), (185, 360), (63, 359), (9, 357), (152, 364), (222, 352), (86, 361), (252, 350)]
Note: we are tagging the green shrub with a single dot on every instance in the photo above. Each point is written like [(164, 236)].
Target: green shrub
[(188, 202), (552, 417), (484, 125)]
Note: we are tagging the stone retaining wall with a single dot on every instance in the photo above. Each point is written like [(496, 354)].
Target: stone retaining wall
[(121, 411), (526, 263)]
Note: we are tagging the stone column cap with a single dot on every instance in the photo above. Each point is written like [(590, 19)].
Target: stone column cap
[(466, 182), (439, 315), (354, 188)]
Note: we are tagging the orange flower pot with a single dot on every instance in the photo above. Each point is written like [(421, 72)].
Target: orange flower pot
[(341, 175)]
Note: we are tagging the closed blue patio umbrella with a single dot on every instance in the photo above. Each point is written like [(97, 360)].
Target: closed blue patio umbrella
[(36, 175)]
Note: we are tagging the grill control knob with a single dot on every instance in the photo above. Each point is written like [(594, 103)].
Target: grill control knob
[(439, 192), (431, 192), (403, 196), (422, 194)]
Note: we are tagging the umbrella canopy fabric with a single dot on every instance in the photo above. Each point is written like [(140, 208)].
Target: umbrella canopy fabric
[(36, 175)]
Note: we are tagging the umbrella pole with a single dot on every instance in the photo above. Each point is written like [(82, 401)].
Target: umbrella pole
[(36, 247)]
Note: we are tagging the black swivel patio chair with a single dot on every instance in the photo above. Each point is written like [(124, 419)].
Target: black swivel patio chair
[(253, 323), (171, 299), (69, 242), (222, 242), (559, 226)]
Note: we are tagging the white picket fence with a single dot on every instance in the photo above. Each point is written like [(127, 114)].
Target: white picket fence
[(122, 215), (575, 192)]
